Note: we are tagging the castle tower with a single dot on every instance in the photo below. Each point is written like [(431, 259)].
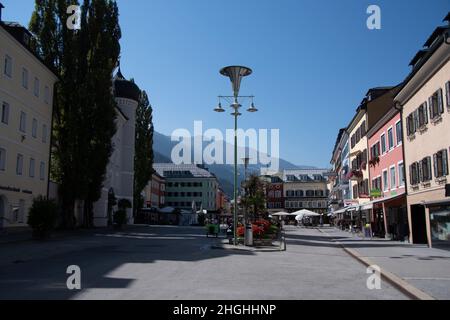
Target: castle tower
[(119, 178)]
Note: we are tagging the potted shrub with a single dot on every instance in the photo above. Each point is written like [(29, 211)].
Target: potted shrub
[(42, 217), (120, 218)]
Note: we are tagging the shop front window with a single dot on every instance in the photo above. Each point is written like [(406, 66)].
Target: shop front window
[(440, 224)]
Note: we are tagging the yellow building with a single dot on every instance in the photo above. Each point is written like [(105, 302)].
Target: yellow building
[(26, 100), (358, 173)]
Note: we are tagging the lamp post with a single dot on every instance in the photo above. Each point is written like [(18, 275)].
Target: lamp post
[(235, 73)]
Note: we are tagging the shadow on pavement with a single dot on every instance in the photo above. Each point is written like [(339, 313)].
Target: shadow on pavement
[(98, 255)]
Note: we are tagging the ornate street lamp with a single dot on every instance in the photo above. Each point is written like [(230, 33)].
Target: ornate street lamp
[(235, 73)]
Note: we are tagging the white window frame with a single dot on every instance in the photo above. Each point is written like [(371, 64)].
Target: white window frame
[(398, 143), (23, 122), (44, 133), (5, 109), (8, 71), (47, 94), (34, 126), (25, 77), (395, 177), (389, 148), (36, 88), (19, 160), (42, 170), (2, 159), (386, 183), (401, 183), (383, 138), (32, 168)]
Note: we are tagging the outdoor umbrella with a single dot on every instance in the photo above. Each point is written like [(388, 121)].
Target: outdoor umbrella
[(280, 214)]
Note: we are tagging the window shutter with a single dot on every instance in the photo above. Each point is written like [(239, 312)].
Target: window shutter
[(436, 173), (425, 112), (447, 86), (445, 162), (440, 102), (429, 173), (430, 106), (411, 180), (419, 164), (408, 132)]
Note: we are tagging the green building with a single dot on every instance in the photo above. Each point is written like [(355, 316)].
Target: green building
[(188, 183)]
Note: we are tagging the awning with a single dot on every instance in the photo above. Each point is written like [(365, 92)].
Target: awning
[(366, 206), (442, 202), (346, 209)]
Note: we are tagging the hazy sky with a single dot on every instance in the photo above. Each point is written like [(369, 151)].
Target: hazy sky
[(312, 61)]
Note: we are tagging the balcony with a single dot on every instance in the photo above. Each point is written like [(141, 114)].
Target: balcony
[(355, 175)]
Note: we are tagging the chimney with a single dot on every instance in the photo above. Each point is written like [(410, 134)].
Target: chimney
[(1, 7)]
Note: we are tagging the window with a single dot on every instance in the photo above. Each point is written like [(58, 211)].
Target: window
[(422, 115), (5, 113), (34, 128), (31, 171), (411, 124), (425, 169), (44, 133), (358, 135), (355, 192), (25, 78), (310, 193), (353, 141), (436, 104), (375, 151), (376, 183), (23, 122), (398, 132), (401, 174), (363, 129), (385, 180), (383, 143), (2, 159), (36, 87), (440, 160), (414, 173), (19, 164), (47, 94), (391, 138), (8, 66), (42, 171), (393, 178)]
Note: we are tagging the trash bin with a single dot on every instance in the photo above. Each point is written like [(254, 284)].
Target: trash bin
[(248, 235)]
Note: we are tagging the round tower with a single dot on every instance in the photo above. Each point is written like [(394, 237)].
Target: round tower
[(127, 95)]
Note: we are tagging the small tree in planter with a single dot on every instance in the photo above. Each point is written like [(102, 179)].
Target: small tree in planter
[(120, 216), (42, 217)]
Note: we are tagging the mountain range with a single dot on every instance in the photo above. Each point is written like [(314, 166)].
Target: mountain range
[(162, 149)]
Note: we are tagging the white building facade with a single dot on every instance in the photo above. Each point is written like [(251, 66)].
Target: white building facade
[(119, 179)]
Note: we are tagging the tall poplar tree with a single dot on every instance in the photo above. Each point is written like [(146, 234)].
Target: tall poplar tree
[(84, 108), (143, 155)]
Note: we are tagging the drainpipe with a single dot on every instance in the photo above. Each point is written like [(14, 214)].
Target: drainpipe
[(399, 108)]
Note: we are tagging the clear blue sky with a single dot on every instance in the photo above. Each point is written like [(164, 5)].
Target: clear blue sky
[(312, 60)]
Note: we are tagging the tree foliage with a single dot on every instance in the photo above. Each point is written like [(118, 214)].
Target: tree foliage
[(84, 107), (143, 156), (254, 198)]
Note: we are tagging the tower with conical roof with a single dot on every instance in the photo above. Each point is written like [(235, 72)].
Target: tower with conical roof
[(119, 179)]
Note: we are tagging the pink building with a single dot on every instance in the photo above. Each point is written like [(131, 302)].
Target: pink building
[(387, 176)]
